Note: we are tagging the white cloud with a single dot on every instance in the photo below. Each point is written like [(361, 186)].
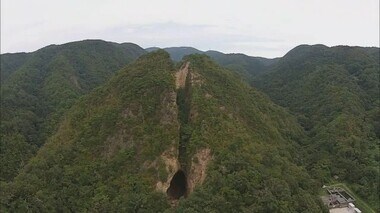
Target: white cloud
[(265, 28)]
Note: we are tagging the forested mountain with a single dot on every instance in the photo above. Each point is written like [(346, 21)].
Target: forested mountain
[(334, 93), (158, 131), (105, 127), (177, 53), (11, 62), (37, 88), (247, 66)]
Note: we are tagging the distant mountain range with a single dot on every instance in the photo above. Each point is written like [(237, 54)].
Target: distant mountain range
[(105, 127), (247, 66)]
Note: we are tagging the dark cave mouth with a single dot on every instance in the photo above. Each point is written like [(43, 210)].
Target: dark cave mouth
[(178, 185)]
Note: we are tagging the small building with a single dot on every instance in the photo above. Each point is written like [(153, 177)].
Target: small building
[(339, 201), (353, 209), (349, 209), (338, 197)]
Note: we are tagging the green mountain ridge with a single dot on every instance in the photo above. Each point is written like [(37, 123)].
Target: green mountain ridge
[(40, 86), (248, 67), (123, 153), (334, 92), (100, 126)]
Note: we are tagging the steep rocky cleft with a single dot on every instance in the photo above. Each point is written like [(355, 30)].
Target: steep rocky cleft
[(184, 107), (178, 185)]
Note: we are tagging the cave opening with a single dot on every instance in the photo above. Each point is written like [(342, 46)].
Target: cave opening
[(178, 185)]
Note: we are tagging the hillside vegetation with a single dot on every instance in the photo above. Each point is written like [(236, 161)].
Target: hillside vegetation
[(37, 88), (256, 165), (334, 93), (95, 160), (95, 126), (120, 154), (247, 67), (11, 62)]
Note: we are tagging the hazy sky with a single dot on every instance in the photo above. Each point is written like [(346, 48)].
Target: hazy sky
[(267, 28)]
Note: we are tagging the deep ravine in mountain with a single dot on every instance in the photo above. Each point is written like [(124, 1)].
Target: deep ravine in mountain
[(178, 185)]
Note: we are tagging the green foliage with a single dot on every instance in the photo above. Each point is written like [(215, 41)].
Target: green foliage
[(39, 87), (94, 161), (247, 67), (254, 157), (177, 53), (103, 148), (97, 160), (334, 92), (10, 62)]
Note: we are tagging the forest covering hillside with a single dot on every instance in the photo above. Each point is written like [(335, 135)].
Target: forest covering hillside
[(256, 164), (11, 62), (247, 67), (151, 122), (100, 126), (38, 87), (334, 93)]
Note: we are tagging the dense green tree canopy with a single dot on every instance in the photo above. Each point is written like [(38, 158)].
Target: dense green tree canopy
[(99, 158), (334, 93), (84, 129), (37, 88)]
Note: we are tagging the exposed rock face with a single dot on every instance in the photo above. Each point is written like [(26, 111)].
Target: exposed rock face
[(184, 172), (169, 109), (74, 80), (115, 143), (169, 157), (197, 173), (196, 78), (181, 76), (132, 111), (181, 183)]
